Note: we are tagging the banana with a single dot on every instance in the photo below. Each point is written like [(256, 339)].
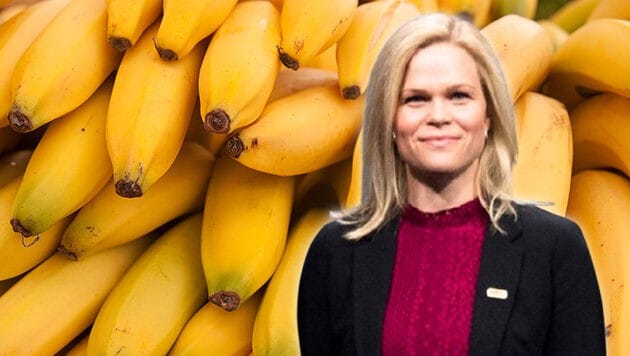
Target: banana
[(326, 187), (13, 164), (600, 204), (17, 253), (67, 168), (573, 14), (63, 66), (290, 81), (240, 67), (617, 9), (149, 114), (214, 331), (600, 133), (186, 22), (326, 60), (78, 347), (477, 11), (544, 150), (299, 133), (557, 34), (585, 65), (371, 26), (149, 306), (54, 302), (245, 225), (9, 11), (355, 190), (525, 8), (9, 139), (275, 329), (309, 27), (426, 6), (524, 50), (127, 20), (110, 220), (15, 37)]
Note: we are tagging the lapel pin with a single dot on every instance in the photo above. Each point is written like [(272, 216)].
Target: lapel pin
[(496, 293)]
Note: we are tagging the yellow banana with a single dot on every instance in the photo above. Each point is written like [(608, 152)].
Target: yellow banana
[(356, 176), (290, 81), (54, 302), (586, 65), (617, 9), (215, 331), (245, 224), (186, 22), (525, 8), (9, 11), (557, 34), (17, 253), (149, 306), (149, 114), (477, 11), (275, 329), (600, 204), (357, 49), (326, 60), (309, 27), (63, 67), (544, 150), (110, 220), (601, 128), (524, 50), (77, 347), (15, 37), (573, 14), (68, 167), (127, 20), (425, 6), (13, 165), (300, 133), (240, 67)]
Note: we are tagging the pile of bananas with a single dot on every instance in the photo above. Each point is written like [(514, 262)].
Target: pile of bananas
[(165, 164)]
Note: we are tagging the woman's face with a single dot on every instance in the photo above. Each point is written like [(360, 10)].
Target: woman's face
[(441, 120)]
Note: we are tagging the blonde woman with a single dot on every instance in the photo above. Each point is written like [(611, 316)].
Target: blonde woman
[(439, 259)]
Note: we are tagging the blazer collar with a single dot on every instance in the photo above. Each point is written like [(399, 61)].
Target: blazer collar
[(373, 265)]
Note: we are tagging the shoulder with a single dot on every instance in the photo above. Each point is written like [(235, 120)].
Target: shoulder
[(542, 227)]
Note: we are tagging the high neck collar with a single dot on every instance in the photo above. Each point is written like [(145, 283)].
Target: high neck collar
[(459, 215)]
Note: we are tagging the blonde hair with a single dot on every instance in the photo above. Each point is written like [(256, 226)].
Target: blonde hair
[(384, 195)]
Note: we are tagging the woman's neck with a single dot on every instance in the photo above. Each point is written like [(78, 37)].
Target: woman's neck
[(440, 192)]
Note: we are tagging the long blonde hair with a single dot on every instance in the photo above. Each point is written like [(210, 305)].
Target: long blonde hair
[(384, 194)]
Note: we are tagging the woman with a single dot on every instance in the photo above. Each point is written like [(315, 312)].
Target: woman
[(439, 259)]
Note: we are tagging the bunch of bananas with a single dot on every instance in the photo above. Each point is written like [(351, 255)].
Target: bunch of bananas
[(165, 164)]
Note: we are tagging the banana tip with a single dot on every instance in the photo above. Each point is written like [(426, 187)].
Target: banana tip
[(217, 121), (19, 228), (119, 43), (66, 252), (19, 122), (287, 60), (351, 92), (229, 301), (234, 146), (166, 54), (128, 189)]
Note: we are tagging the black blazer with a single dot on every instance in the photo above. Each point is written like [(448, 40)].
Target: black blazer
[(553, 304)]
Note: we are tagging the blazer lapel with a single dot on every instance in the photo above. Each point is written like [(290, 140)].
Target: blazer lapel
[(496, 288), (373, 264)]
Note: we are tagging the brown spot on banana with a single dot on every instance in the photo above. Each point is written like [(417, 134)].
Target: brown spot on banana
[(229, 301), (234, 146), (19, 228), (217, 121), (69, 254), (19, 122), (128, 188), (119, 43), (287, 60)]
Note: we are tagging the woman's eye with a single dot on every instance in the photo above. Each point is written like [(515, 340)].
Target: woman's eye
[(460, 95), (414, 99)]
